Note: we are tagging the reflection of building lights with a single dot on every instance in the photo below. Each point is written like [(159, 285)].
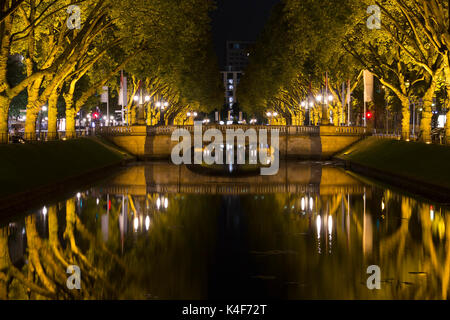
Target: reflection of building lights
[(330, 224), (311, 203), (78, 196), (303, 204), (98, 201), (382, 205), (44, 211), (431, 213), (136, 223), (318, 225), (147, 223), (166, 203), (158, 203)]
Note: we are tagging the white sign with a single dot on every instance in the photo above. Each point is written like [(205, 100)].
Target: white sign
[(104, 98)]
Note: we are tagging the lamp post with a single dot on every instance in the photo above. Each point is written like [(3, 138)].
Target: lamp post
[(141, 112), (324, 100), (149, 109), (271, 115), (43, 109)]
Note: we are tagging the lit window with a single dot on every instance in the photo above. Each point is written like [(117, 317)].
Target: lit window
[(230, 81), (231, 99), (231, 87)]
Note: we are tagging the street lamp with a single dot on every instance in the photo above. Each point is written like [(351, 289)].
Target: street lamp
[(271, 115)]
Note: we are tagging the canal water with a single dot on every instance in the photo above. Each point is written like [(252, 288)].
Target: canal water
[(160, 231)]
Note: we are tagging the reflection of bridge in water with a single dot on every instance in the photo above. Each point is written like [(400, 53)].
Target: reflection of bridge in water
[(293, 177)]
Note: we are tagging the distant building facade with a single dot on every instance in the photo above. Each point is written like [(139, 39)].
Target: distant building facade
[(231, 80), (237, 54)]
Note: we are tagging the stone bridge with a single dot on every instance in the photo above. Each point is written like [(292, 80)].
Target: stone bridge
[(295, 142)]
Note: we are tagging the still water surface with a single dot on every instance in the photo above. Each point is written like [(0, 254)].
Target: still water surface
[(159, 231)]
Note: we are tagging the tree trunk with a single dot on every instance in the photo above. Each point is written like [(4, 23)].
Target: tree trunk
[(133, 116), (4, 108), (52, 115), (447, 127), (342, 116), (32, 110), (425, 124), (70, 123), (30, 125), (447, 88), (5, 34), (336, 116), (406, 119)]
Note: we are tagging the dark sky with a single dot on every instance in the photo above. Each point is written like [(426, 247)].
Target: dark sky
[(238, 20)]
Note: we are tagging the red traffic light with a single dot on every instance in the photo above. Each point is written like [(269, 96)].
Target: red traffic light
[(95, 115), (369, 115)]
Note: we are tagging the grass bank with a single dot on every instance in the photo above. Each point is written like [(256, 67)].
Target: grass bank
[(26, 167), (413, 162)]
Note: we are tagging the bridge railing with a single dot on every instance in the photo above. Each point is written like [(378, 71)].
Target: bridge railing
[(394, 136), (43, 136), (122, 131), (283, 130)]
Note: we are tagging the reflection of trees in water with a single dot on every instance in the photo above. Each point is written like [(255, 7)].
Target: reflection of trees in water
[(43, 275), (152, 263), (169, 255), (414, 256)]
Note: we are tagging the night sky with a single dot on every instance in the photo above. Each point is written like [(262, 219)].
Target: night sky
[(238, 20)]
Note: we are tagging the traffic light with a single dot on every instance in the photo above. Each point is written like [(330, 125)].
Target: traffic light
[(95, 115), (369, 115)]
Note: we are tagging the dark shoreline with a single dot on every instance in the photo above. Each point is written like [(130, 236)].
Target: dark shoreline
[(16, 203), (432, 192)]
